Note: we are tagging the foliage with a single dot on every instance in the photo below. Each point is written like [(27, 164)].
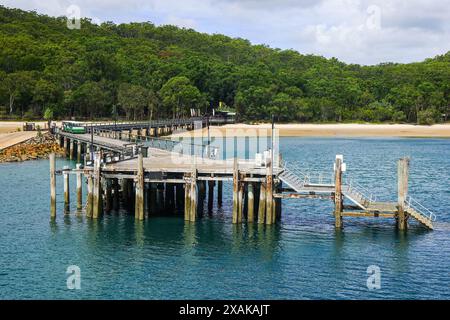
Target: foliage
[(147, 71)]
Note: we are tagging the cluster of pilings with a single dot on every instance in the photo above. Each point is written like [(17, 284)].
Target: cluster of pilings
[(152, 193)]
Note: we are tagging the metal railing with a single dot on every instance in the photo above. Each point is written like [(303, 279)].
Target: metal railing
[(359, 190), (181, 147), (412, 203)]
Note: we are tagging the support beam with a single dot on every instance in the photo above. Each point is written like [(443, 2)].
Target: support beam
[(194, 195), (66, 190), (116, 202), (187, 200), (235, 192), (403, 172), (71, 149), (210, 196), (79, 189), (219, 193), (52, 186), (79, 144), (108, 195), (269, 196), (241, 198), (97, 202), (65, 146), (90, 196), (139, 206), (338, 198), (250, 203), (262, 204)]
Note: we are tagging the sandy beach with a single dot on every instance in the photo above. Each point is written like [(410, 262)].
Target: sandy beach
[(327, 130)]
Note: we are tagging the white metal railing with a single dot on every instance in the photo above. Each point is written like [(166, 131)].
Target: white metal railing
[(412, 203), (361, 191)]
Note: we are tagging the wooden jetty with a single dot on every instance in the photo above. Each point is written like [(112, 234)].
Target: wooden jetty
[(129, 165)]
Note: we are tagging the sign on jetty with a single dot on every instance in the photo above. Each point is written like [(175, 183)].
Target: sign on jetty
[(131, 166)]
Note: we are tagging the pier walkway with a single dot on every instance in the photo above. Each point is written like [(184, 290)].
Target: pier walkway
[(131, 165)]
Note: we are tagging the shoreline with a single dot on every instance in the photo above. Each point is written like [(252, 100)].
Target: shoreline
[(324, 130)]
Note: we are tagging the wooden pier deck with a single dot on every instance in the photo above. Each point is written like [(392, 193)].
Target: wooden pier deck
[(147, 174)]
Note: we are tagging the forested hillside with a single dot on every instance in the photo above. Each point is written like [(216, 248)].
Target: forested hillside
[(139, 71)]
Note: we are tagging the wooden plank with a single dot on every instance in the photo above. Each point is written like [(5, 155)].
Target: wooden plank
[(368, 214)]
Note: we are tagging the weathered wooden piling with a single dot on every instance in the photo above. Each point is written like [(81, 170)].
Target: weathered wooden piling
[(235, 192), (71, 149), (90, 196), (108, 195), (79, 151), (97, 201), (211, 185), (338, 198), (52, 186), (79, 188), (116, 201), (219, 193), (262, 204), (66, 190), (250, 203), (269, 196), (194, 195), (187, 198), (66, 149), (402, 186), (139, 206), (241, 198)]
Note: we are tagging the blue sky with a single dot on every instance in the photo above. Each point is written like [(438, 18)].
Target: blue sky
[(354, 31)]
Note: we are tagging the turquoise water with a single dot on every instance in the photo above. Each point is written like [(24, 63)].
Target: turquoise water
[(301, 258)]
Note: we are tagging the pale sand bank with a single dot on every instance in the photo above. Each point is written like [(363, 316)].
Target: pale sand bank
[(326, 130), (14, 126)]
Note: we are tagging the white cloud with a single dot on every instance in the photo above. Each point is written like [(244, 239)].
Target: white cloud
[(355, 31)]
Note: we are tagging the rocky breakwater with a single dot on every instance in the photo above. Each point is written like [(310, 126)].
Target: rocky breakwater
[(35, 148)]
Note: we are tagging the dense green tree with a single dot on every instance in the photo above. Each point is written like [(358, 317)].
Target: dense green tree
[(146, 71)]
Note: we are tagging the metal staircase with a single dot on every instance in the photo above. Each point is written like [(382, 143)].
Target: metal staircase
[(294, 178), (362, 197), (422, 214), (358, 194)]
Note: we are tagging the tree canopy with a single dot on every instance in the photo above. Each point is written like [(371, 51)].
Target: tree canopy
[(140, 71)]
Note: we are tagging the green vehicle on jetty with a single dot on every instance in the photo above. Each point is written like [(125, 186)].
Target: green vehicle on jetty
[(73, 127)]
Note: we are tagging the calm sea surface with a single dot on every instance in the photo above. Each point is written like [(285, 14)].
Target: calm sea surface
[(301, 258)]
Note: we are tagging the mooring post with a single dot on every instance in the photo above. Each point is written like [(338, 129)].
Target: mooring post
[(269, 191), (187, 198), (194, 195), (241, 198), (338, 199), (52, 186), (219, 193), (66, 190), (139, 206), (79, 188), (90, 196), (65, 146), (108, 195), (278, 202), (97, 202), (79, 144), (250, 203), (211, 184), (116, 202), (262, 204), (71, 149), (403, 172), (235, 191)]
